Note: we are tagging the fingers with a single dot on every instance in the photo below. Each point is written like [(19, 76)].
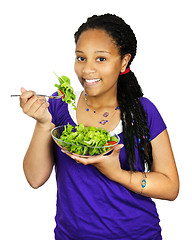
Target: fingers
[(76, 158), (94, 160), (117, 148), (23, 90), (25, 96), (87, 160), (41, 106), (33, 105), (84, 161)]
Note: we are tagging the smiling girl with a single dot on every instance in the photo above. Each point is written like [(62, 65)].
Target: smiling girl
[(106, 197)]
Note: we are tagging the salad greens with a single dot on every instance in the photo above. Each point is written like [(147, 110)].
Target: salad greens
[(88, 139), (65, 89), (80, 139)]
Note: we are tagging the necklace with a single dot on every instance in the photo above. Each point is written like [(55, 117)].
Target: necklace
[(106, 115)]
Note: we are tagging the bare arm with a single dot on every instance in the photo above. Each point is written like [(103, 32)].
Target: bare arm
[(38, 161), (162, 182)]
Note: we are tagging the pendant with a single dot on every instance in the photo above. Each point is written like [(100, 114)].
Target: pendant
[(103, 122), (106, 114)]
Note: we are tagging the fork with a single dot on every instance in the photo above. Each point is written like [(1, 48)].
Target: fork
[(41, 95)]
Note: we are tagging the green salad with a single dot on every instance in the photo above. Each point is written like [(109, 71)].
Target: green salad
[(88, 139), (65, 89), (80, 139)]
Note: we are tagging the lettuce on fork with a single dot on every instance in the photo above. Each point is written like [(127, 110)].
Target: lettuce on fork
[(65, 89)]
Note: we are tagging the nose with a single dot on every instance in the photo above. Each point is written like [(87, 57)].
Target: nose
[(88, 68)]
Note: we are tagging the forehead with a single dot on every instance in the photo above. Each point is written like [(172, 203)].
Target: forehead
[(96, 40)]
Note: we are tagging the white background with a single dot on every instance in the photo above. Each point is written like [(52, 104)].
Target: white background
[(37, 39)]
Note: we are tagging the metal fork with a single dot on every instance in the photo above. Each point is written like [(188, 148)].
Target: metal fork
[(41, 95)]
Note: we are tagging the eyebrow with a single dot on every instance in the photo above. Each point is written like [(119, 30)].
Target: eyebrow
[(78, 51)]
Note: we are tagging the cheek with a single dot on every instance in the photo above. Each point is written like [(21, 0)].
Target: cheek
[(77, 69), (112, 71)]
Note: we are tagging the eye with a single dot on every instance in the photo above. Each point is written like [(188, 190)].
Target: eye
[(101, 59), (80, 59)]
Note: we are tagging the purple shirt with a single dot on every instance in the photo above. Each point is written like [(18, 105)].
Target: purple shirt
[(92, 207)]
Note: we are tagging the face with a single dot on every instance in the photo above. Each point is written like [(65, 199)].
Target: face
[(98, 62)]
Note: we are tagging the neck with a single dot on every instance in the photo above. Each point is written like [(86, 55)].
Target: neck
[(102, 101)]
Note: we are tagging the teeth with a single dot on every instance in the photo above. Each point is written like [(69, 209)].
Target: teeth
[(93, 80)]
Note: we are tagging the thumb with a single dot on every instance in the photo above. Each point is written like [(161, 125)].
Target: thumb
[(117, 148), (23, 90)]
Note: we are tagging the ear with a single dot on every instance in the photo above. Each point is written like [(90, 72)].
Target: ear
[(125, 62)]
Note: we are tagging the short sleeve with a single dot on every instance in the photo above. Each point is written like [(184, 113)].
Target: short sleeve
[(156, 123), (59, 111), (52, 107)]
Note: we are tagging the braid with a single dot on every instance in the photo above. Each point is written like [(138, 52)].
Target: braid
[(134, 119)]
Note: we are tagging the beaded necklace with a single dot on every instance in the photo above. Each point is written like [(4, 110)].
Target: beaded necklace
[(106, 115)]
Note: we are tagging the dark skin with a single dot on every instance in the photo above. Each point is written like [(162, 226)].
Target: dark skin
[(102, 95), (100, 61), (98, 66)]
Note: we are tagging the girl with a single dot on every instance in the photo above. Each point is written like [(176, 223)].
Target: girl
[(106, 197)]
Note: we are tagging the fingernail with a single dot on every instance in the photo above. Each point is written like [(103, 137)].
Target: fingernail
[(23, 90)]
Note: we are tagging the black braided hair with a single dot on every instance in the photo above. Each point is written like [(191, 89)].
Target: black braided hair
[(134, 119)]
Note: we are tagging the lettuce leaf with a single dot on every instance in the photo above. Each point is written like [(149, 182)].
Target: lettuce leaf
[(85, 139), (65, 88)]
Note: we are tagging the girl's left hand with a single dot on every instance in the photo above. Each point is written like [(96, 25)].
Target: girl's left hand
[(109, 165)]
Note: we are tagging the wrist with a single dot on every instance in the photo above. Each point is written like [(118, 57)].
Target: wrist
[(46, 126)]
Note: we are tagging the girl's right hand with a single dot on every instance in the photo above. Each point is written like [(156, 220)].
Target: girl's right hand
[(35, 107)]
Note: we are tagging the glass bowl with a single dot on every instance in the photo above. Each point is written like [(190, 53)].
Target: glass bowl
[(83, 150)]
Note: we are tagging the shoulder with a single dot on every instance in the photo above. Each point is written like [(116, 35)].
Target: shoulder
[(56, 103), (147, 104), (149, 107), (156, 123)]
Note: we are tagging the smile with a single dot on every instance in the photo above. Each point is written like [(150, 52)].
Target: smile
[(92, 80)]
